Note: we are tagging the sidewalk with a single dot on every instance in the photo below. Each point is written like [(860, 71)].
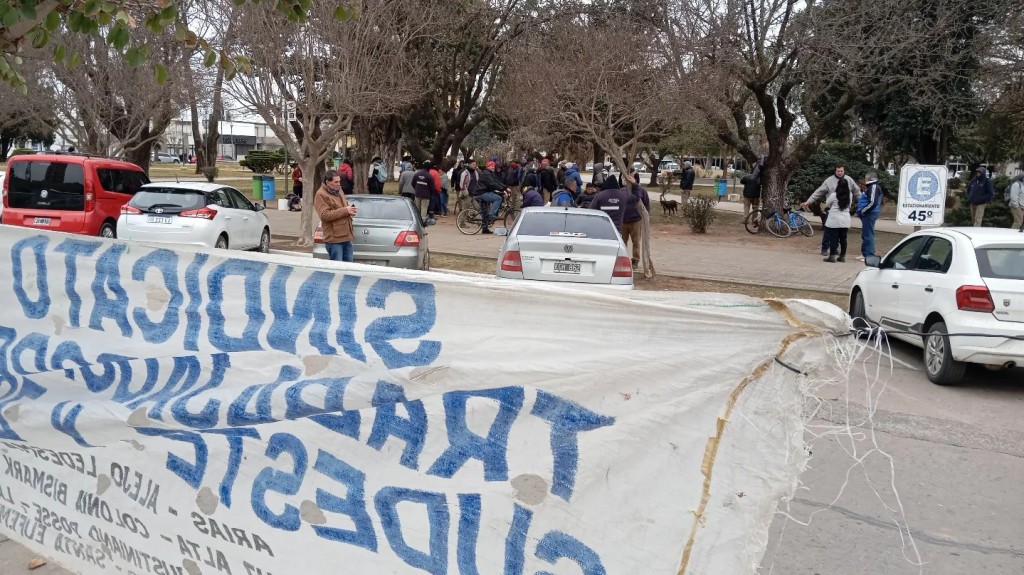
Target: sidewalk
[(672, 257)]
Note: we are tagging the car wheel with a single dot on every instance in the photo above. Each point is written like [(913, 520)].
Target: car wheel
[(858, 313), (222, 242), (107, 230), (265, 241), (939, 364)]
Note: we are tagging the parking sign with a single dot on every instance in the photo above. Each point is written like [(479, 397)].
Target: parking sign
[(922, 200)]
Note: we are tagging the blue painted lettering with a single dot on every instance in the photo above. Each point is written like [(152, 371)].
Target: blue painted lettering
[(435, 560), (72, 248), (166, 261), (557, 545), (567, 420), (283, 482), (382, 331), (38, 308), (251, 272), (312, 304), (108, 280), (464, 445), (387, 423), (353, 505)]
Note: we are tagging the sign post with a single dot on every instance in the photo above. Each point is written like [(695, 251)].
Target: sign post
[(922, 199)]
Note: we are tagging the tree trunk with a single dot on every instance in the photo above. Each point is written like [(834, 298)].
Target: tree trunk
[(361, 157), (773, 187), (5, 146), (140, 156), (311, 164)]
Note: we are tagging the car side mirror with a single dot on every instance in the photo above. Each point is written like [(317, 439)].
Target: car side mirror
[(873, 262), (260, 207), (501, 231), (429, 222)]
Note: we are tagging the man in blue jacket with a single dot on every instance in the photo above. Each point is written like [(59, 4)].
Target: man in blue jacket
[(980, 193), (573, 171), (868, 206)]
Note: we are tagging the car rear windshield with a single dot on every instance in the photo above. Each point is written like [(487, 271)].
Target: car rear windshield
[(380, 209), (575, 223), (168, 200), (1001, 263), (47, 186)]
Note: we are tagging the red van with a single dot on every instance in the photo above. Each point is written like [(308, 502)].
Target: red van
[(73, 193)]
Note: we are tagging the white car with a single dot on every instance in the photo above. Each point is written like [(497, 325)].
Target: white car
[(571, 245), (194, 213), (167, 159), (949, 281)]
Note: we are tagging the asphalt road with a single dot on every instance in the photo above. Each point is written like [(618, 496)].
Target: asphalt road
[(955, 456)]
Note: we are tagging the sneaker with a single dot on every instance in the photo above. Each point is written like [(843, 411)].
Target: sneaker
[(841, 259), (486, 231), (830, 259), (860, 258)]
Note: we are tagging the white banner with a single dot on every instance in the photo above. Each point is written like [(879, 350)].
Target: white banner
[(177, 412)]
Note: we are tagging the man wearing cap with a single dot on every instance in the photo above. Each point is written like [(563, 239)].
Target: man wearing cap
[(490, 190), (980, 193)]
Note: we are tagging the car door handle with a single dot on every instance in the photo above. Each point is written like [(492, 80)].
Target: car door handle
[(895, 286), (929, 289)]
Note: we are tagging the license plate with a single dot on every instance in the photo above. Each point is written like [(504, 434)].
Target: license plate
[(158, 219), (567, 268), (42, 221)]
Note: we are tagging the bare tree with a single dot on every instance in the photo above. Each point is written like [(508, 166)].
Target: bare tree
[(22, 118), (336, 73), (790, 72), (618, 101)]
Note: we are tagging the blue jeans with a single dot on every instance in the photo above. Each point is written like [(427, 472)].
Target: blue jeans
[(867, 234), (340, 251), (444, 202), (493, 202)]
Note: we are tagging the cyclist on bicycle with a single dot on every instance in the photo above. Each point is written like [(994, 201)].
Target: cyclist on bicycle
[(489, 191)]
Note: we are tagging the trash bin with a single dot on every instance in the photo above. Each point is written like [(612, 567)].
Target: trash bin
[(268, 188), (257, 187), (722, 186)]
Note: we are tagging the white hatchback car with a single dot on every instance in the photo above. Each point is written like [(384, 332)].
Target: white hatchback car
[(949, 281), (571, 245), (194, 213)]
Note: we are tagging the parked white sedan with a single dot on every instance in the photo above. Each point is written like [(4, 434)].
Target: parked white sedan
[(194, 213), (571, 245), (949, 281)]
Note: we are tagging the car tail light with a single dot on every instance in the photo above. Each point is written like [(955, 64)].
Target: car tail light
[(623, 268), (126, 209), (318, 235), (90, 201), (201, 213), (974, 298), (407, 239), (512, 262)]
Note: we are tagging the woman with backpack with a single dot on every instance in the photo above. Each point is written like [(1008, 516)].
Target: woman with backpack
[(378, 175)]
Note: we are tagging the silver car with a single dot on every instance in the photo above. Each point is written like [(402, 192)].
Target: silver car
[(388, 232), (572, 245)]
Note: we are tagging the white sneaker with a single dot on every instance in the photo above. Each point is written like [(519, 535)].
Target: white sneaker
[(860, 258)]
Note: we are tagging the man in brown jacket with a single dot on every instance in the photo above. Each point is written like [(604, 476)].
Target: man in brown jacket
[(335, 217)]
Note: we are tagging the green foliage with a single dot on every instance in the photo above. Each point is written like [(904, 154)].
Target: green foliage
[(822, 164), (701, 213), (997, 214), (22, 152), (263, 161), (210, 173)]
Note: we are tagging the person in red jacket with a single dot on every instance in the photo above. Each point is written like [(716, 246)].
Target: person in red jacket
[(348, 182)]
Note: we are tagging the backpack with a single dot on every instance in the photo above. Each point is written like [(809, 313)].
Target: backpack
[(563, 198), (1008, 193), (378, 173)]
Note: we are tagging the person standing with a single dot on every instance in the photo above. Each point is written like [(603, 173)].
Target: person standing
[(296, 180), (837, 226), (632, 220), (565, 195), (443, 201), (378, 175), (469, 180), (335, 217), (348, 182), (751, 193), (599, 176), (490, 190), (426, 187), (980, 193), (1016, 201), (826, 190), (548, 181), (612, 200), (456, 178), (868, 207), (687, 179), (405, 188), (573, 171)]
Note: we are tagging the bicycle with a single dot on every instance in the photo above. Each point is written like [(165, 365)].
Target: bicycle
[(769, 219), (798, 222), (470, 223)]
